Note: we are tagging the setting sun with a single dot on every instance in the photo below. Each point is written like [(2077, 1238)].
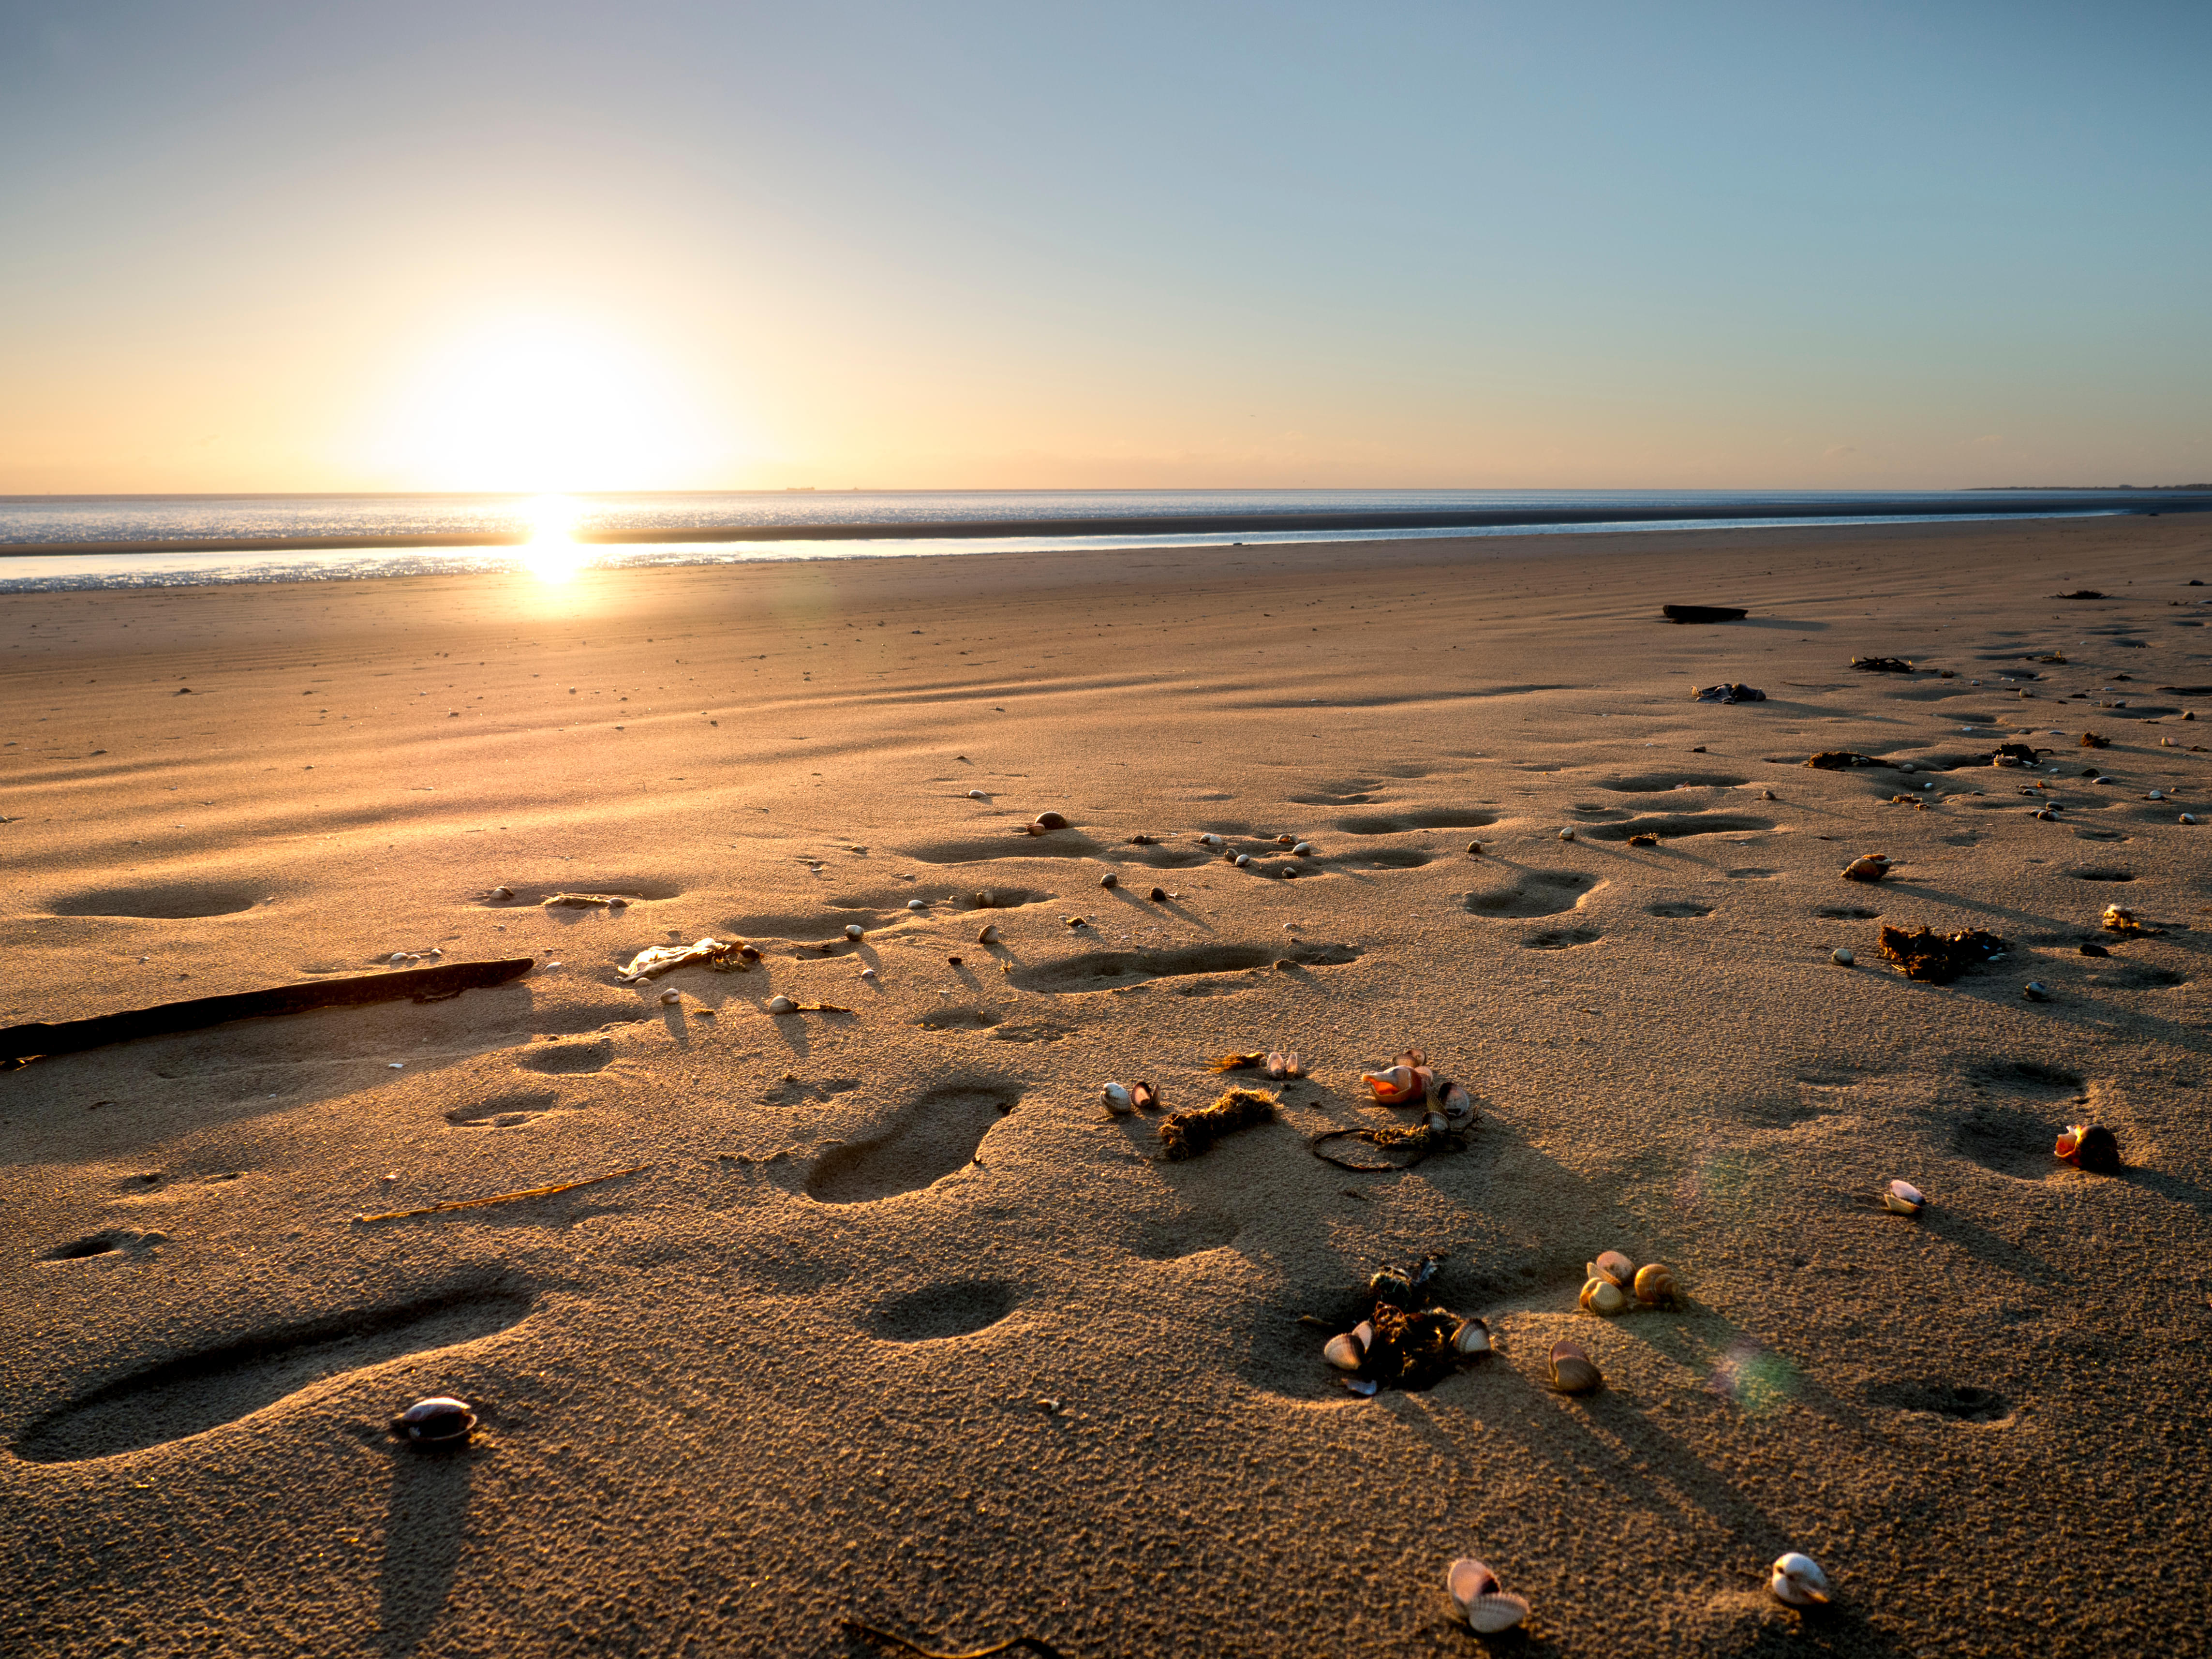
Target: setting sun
[(552, 553)]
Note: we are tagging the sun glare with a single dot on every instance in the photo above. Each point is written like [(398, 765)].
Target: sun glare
[(542, 405), (552, 553)]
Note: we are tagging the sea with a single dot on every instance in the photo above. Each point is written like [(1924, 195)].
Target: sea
[(229, 536)]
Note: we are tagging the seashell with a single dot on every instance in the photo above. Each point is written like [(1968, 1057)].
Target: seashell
[(1077, 922), (1213, 841), (2188, 817), (1473, 1337), (868, 972), (671, 996), (1242, 860), (1475, 1591), (977, 795), (1572, 1370), (1868, 866), (1396, 1084), (1293, 1067), (1144, 1096), (1304, 850), (1474, 848), (989, 935), (1435, 1123), (1842, 956), (2155, 795), (2089, 1146), (1614, 1267), (1797, 1581), (1159, 896), (1602, 1296), (917, 904), (1286, 840), (437, 1421), (1654, 1284), (1345, 1352), (2036, 991), (1458, 1105), (1360, 1386), (1272, 1065), (500, 893), (782, 1005), (1118, 1101), (853, 930), (1566, 834), (986, 899), (1048, 821), (1903, 1198)]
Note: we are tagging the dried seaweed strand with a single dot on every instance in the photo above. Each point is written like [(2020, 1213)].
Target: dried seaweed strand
[(1233, 1063), (1188, 1133), (1419, 1139), (1034, 1644), (502, 1198)]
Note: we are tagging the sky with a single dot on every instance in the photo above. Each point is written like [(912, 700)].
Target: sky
[(1420, 243)]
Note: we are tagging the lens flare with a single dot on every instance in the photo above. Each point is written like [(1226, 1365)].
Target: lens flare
[(552, 553)]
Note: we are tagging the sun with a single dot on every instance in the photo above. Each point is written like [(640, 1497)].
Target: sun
[(552, 553), (543, 406)]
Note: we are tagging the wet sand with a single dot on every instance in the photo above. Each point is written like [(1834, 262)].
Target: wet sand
[(893, 1322)]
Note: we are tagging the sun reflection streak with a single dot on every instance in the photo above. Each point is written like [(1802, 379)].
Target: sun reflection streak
[(552, 553)]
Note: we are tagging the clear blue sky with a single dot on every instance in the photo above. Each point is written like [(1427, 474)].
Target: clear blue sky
[(456, 245)]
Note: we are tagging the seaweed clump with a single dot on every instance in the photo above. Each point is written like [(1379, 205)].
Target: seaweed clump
[(1407, 1338), (1190, 1131), (1842, 760), (1939, 959)]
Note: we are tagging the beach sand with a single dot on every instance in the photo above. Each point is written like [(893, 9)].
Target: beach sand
[(893, 1322)]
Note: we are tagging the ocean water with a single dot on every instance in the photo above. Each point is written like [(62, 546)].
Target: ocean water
[(912, 521)]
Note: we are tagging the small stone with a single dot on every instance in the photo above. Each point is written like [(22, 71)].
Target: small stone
[(1842, 956), (1159, 896)]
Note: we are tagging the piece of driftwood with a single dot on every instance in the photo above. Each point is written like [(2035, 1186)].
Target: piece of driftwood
[(1036, 1644), (72, 1036), (546, 1191), (1701, 613)]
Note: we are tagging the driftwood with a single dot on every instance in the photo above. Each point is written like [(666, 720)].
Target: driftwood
[(1701, 613), (546, 1191), (70, 1036)]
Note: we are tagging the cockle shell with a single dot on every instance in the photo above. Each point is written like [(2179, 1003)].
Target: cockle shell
[(1474, 1592), (1458, 1105), (1654, 1284), (1343, 1353), (1304, 850), (782, 1005), (868, 972), (1613, 1267), (1242, 860), (1144, 1096), (1868, 866), (989, 935), (1286, 840), (977, 795), (1566, 834), (1048, 821), (671, 996), (1797, 1581), (853, 930), (1118, 1101), (917, 904), (1473, 1337), (439, 1420), (1602, 1296), (1903, 1198), (1110, 880), (1572, 1370), (1213, 840), (1842, 955), (1436, 1124)]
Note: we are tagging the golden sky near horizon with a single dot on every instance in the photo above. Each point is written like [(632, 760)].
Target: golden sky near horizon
[(487, 248)]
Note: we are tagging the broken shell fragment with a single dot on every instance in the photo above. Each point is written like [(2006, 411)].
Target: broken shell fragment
[(782, 1005), (1048, 821), (1118, 1100), (1474, 1592), (1614, 1268), (1572, 1370), (1654, 1286), (1903, 1198), (1144, 1097), (1472, 1338), (1797, 1581), (1868, 866), (2089, 1146), (437, 1421), (1602, 1296)]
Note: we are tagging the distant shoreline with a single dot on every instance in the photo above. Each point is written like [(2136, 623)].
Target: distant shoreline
[(2024, 506)]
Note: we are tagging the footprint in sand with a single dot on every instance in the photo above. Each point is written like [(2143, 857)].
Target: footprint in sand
[(1531, 893), (179, 900), (957, 1308), (1399, 823), (1560, 939), (505, 1111), (1678, 910), (1653, 783), (1676, 826), (925, 1140), (560, 1058), (1110, 971), (128, 1246), (191, 1393), (1961, 1402)]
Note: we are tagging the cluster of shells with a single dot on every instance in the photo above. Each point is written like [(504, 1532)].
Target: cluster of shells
[(1614, 1285), (1486, 1607)]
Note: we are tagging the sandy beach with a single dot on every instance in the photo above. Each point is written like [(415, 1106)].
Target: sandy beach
[(890, 1321)]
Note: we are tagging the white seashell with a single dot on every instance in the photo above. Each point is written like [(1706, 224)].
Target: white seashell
[(1343, 1353), (1435, 1123), (917, 904), (1474, 1592), (1458, 1106), (1566, 834), (1842, 956), (868, 972), (782, 1005), (1797, 1581), (1303, 850), (1118, 1101), (977, 795), (1903, 1198), (1473, 1337), (989, 935), (1213, 840), (1360, 1386), (853, 930), (1244, 860), (1602, 1296), (671, 996), (1110, 880), (1364, 1332), (2188, 817)]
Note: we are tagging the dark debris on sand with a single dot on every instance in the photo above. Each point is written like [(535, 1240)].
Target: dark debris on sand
[(1938, 958), (1188, 1133)]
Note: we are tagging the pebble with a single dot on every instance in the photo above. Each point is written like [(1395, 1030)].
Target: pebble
[(1842, 956)]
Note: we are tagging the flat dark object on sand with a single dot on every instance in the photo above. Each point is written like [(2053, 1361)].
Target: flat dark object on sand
[(1701, 613), (2189, 690), (72, 1036)]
